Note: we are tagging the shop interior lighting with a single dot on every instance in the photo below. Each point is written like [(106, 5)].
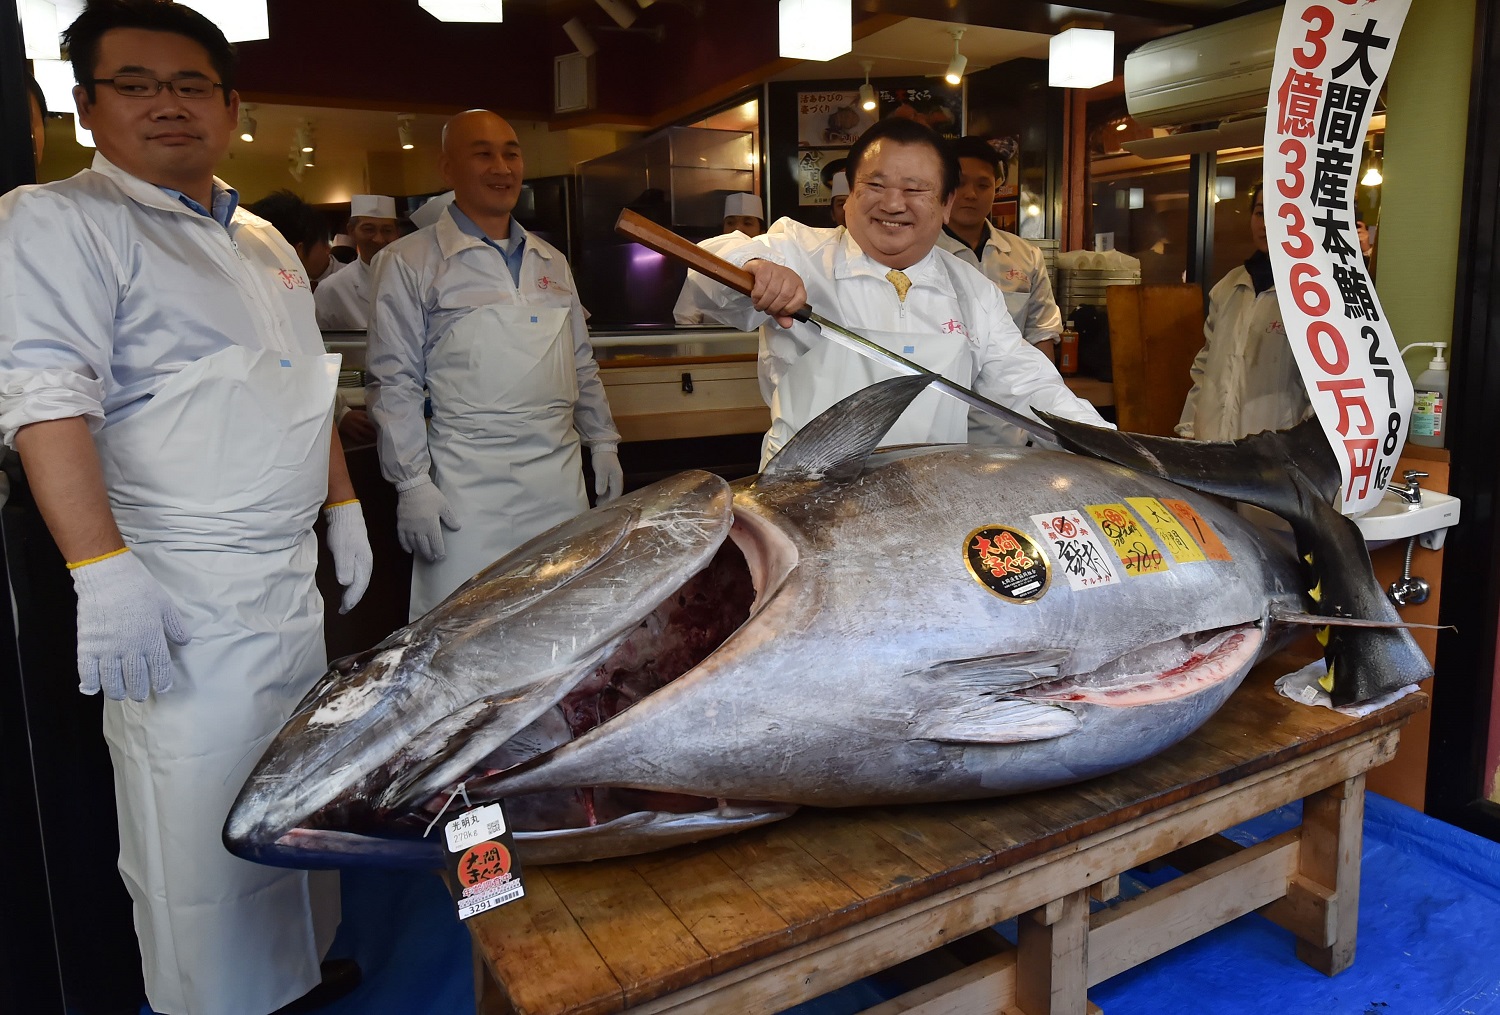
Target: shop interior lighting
[(39, 29), (1081, 58), (1224, 188), (56, 79), (955, 71), (84, 137), (623, 16), (866, 92), (309, 157), (239, 20), (578, 33), (816, 29), (304, 139), (1373, 176), (645, 3), (487, 11), (247, 123), (404, 131)]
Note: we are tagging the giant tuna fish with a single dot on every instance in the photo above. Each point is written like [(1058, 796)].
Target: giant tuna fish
[(848, 628)]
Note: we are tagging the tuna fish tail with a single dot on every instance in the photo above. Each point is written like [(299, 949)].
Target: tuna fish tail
[(1293, 474)]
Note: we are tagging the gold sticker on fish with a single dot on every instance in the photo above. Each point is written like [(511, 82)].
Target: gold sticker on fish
[(1199, 529), (1135, 548), (1177, 540), (1008, 562)]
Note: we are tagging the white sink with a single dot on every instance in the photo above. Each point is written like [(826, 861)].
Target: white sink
[(1392, 519)]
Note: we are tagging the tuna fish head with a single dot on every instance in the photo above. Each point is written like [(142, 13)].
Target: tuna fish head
[(561, 634)]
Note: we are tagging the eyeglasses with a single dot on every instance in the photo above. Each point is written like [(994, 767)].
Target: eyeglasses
[(136, 86)]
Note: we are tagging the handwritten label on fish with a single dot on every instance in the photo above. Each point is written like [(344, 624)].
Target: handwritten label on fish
[(1177, 540), (1008, 563), (1079, 556), (1199, 529), (1132, 544)]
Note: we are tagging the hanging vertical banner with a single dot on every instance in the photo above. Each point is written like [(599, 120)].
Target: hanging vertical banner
[(1331, 59)]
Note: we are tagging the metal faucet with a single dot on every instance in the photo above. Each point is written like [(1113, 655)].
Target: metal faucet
[(1411, 492)]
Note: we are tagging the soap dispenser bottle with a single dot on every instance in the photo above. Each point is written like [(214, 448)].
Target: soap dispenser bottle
[(1429, 412)]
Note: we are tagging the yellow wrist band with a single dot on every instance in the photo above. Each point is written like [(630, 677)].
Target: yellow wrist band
[(351, 500), (95, 560)]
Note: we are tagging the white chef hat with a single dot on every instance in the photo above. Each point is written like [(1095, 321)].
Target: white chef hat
[(373, 206), (840, 185), (429, 213), (744, 204), (343, 240)]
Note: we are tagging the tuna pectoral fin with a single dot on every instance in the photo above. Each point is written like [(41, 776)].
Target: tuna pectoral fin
[(1291, 473), (989, 720), (836, 444)]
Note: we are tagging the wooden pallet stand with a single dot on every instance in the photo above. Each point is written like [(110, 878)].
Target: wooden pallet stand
[(761, 921)]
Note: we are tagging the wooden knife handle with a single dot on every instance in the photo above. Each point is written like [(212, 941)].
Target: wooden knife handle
[(634, 226)]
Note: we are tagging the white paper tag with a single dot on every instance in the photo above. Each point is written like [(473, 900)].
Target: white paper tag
[(1079, 556), (473, 827)]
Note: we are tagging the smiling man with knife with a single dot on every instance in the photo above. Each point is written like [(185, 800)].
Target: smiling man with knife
[(885, 277)]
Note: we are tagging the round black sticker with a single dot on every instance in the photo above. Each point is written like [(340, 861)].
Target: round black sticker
[(1008, 562)]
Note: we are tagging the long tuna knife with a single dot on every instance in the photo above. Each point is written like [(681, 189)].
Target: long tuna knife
[(634, 226)]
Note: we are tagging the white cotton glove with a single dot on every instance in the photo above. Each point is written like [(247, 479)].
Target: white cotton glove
[(125, 619), (350, 545), (421, 513), (609, 478)]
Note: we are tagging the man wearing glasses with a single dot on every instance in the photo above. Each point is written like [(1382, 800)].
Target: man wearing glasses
[(163, 380)]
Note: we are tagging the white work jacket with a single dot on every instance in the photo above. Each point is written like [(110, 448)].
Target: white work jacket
[(1020, 271), (192, 352), (343, 300), (428, 282), (1245, 378), (81, 262), (845, 285)]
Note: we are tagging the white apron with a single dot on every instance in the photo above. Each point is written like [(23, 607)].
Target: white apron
[(829, 372), (504, 449), (215, 485)]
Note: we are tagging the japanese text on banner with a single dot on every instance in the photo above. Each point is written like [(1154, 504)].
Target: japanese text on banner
[(1331, 59)]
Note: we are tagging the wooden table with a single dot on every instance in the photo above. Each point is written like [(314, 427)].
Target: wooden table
[(763, 920)]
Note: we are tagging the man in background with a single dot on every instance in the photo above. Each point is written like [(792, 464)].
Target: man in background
[(485, 317)]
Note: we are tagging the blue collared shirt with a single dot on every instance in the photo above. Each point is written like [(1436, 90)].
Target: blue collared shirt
[(225, 201), (512, 248)]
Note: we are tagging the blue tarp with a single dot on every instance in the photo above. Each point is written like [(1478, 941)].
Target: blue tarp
[(1429, 941)]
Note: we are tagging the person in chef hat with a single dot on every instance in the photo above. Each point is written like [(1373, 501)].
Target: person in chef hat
[(343, 300), (743, 213), (840, 190)]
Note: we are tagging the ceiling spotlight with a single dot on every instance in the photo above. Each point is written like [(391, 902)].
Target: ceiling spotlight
[(247, 123), (463, 10), (1373, 176), (866, 92), (404, 131), (304, 140), (580, 37), (309, 157), (39, 29), (955, 72), (624, 16)]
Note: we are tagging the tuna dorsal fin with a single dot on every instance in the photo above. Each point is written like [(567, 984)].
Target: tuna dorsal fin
[(1291, 473), (836, 444)]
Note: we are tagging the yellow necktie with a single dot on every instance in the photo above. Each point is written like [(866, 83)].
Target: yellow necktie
[(900, 281)]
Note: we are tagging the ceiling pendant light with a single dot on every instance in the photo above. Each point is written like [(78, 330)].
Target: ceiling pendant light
[(816, 29), (579, 35), (239, 20), (1081, 58), (1373, 176), (404, 131), (955, 72), (247, 123), (39, 29), (866, 92), (487, 11), (304, 136)]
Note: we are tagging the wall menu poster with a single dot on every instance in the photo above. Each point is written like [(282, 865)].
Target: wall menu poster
[(830, 118), (814, 172)]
